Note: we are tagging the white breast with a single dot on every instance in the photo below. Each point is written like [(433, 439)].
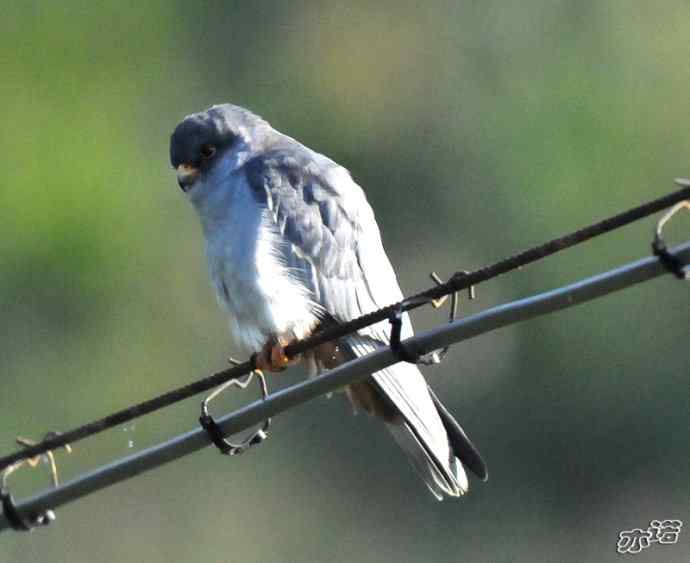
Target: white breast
[(251, 282)]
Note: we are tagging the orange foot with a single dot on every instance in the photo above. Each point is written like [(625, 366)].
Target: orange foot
[(272, 356)]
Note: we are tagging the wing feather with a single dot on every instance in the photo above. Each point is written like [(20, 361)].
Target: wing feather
[(331, 241)]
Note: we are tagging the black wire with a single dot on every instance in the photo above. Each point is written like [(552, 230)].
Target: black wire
[(457, 282), (462, 280)]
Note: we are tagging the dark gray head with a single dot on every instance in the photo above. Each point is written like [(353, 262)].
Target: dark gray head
[(203, 138)]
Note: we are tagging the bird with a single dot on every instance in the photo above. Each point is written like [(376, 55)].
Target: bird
[(293, 246)]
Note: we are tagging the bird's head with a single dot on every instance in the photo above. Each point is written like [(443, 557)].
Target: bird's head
[(214, 143)]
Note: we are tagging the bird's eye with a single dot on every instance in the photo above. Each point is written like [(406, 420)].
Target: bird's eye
[(207, 151)]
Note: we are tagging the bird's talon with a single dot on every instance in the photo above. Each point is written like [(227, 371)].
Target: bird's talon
[(279, 360), (272, 357)]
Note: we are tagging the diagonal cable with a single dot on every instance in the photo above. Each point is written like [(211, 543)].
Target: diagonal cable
[(457, 282), (449, 333)]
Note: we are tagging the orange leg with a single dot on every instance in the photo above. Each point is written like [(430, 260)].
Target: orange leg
[(272, 356)]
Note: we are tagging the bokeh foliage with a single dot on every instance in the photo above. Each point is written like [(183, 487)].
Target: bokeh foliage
[(477, 129)]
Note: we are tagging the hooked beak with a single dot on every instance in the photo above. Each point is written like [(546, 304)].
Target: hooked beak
[(186, 176)]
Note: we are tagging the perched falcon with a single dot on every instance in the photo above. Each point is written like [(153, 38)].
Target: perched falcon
[(293, 244)]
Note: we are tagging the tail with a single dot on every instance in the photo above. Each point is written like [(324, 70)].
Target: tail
[(442, 479), (461, 445), (434, 442)]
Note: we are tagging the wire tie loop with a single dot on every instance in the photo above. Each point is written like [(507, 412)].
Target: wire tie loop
[(401, 351), (208, 423)]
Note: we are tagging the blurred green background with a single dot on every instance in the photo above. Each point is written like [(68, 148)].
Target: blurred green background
[(477, 129)]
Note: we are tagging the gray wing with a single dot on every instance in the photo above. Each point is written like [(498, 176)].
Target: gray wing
[(330, 236), (332, 244)]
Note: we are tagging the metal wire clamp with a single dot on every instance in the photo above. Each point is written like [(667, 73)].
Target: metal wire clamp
[(437, 356), (17, 521), (214, 432), (402, 352), (659, 248)]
